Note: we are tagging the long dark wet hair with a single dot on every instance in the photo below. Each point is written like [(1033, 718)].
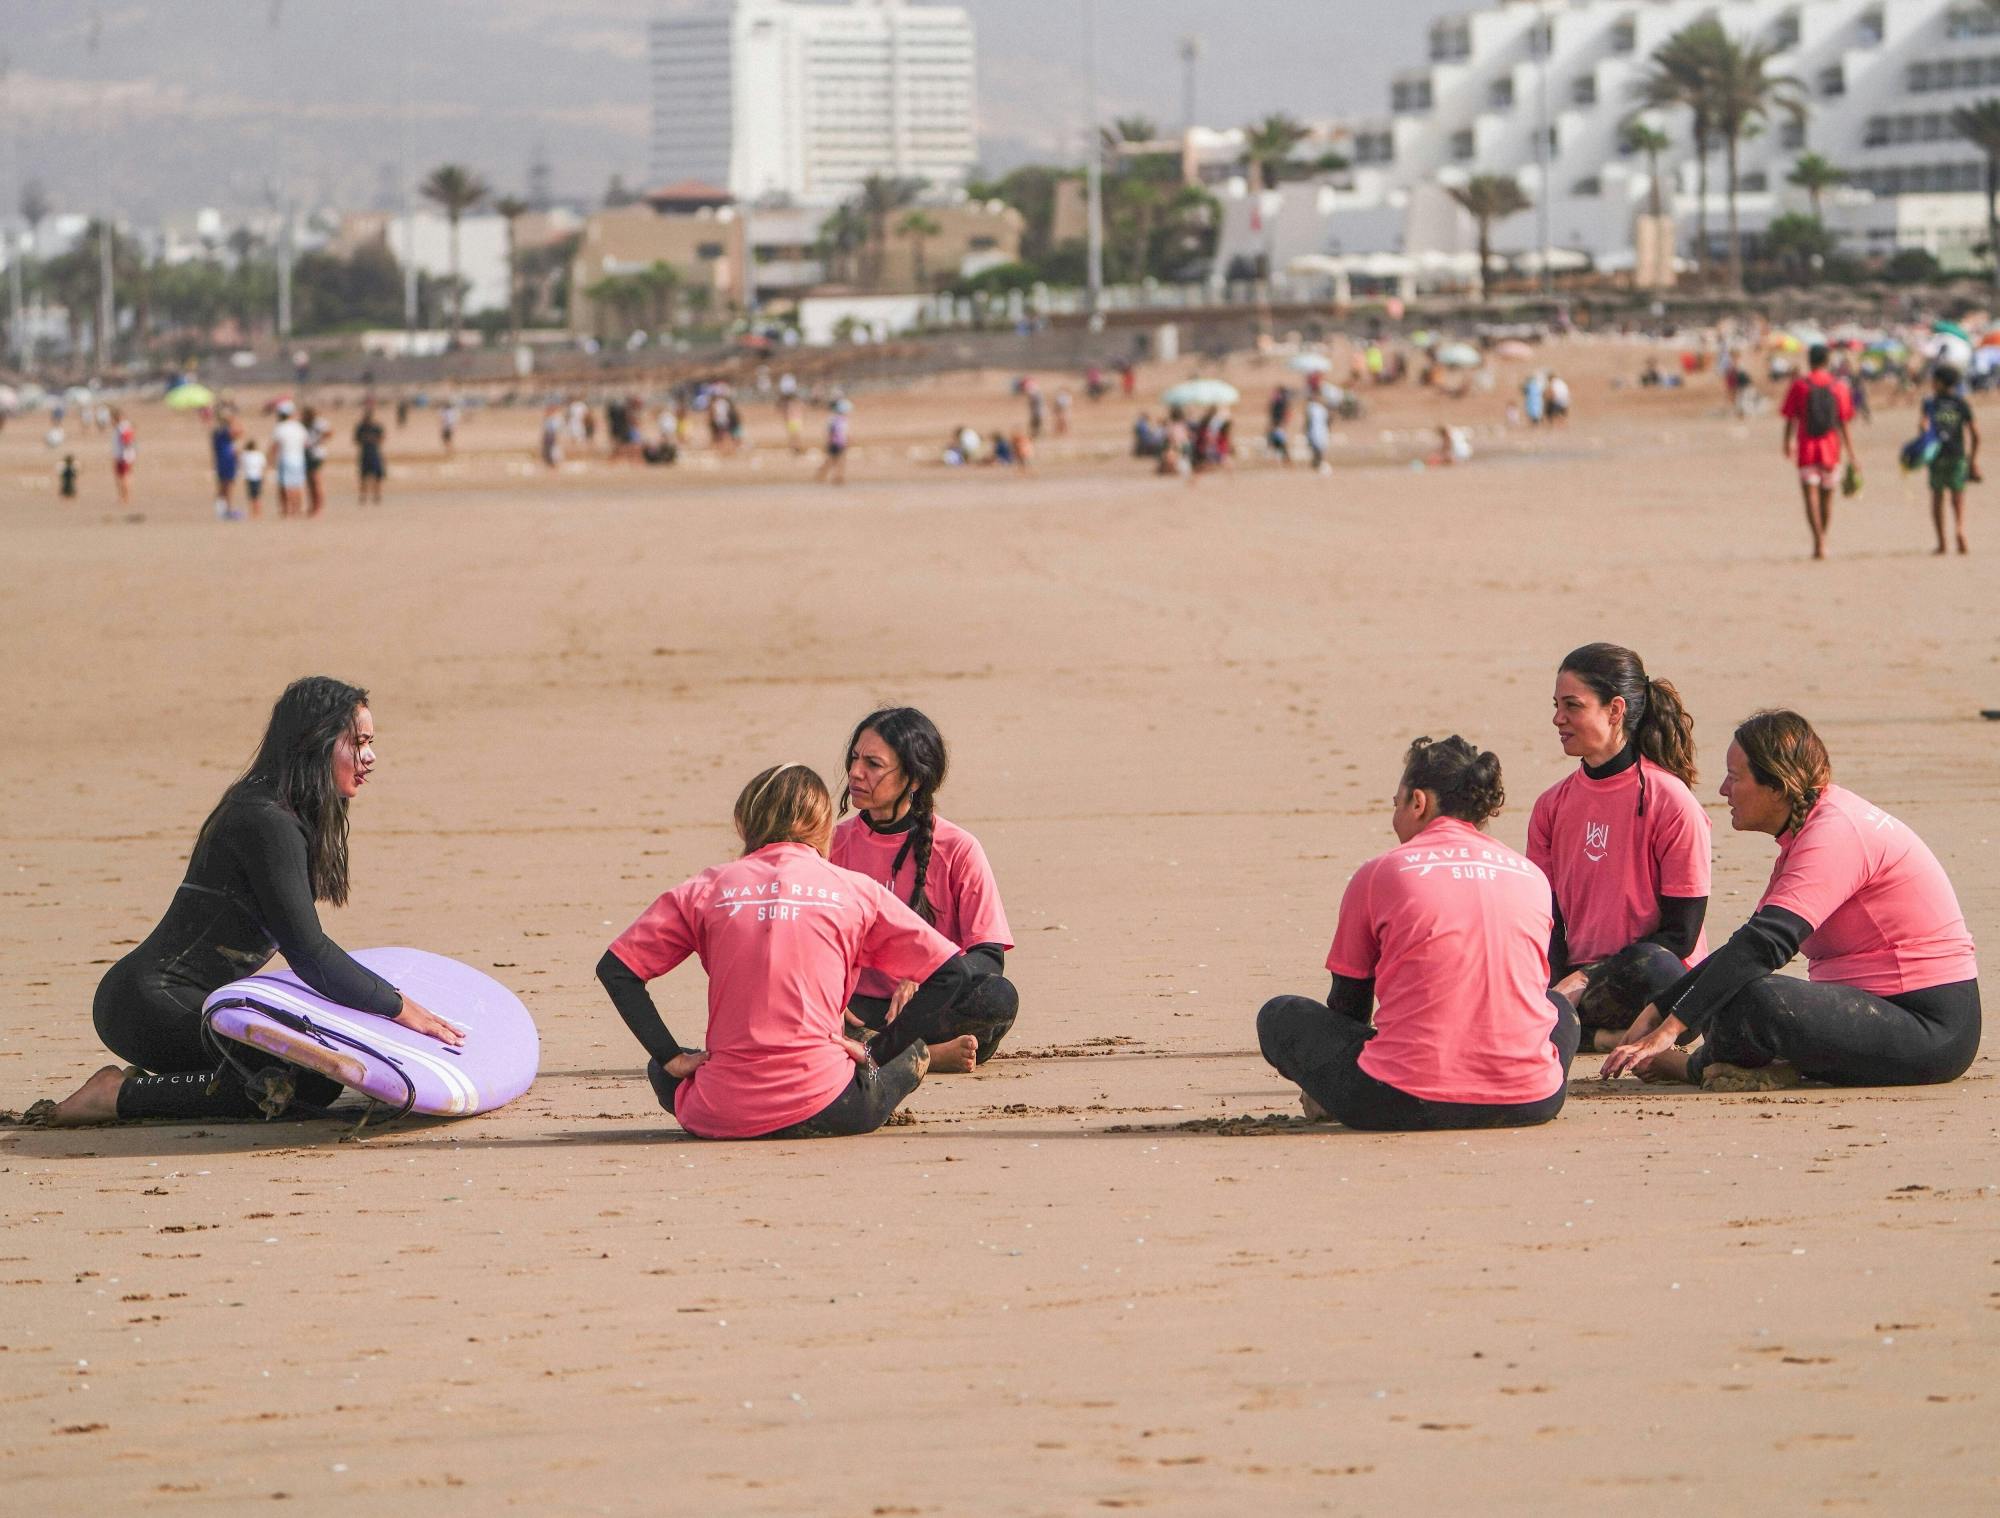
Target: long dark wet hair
[(295, 763), (1654, 718), (919, 748)]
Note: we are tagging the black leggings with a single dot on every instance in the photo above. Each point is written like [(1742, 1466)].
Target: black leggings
[(1620, 986), (988, 1008), (1308, 1043), (1844, 1035), (156, 1025), (862, 1106)]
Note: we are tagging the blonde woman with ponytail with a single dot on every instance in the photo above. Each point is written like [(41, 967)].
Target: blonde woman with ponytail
[(1623, 841), (782, 934)]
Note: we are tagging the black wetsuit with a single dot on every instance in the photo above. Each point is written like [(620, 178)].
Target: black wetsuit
[(1618, 987), (246, 896)]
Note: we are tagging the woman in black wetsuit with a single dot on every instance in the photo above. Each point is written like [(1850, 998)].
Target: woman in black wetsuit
[(274, 845)]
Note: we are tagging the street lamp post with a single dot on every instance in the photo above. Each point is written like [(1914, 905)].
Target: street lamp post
[(1545, 41), (1093, 170)]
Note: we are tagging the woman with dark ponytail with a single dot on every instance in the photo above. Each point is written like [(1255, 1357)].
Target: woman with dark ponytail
[(896, 764), (1623, 841), (1444, 940), (274, 845), (1891, 996)]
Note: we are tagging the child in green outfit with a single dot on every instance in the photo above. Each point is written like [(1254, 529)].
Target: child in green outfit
[(1948, 416)]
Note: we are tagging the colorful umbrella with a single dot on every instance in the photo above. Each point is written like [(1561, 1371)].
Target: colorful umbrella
[(1311, 363), (189, 397), (1459, 356)]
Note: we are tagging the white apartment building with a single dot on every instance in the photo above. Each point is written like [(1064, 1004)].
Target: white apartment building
[(1881, 79), (784, 100)]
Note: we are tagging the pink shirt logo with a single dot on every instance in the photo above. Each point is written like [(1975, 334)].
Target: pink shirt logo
[(1596, 841)]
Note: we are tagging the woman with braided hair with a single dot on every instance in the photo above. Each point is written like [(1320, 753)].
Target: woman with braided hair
[(1623, 841), (895, 767), (1892, 994)]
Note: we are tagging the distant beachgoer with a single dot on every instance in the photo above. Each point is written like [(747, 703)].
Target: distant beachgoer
[(1948, 418), (253, 464), (1033, 392), (1319, 436), (782, 935), (1276, 441), (222, 445), (448, 425), (1062, 413), (124, 454), (402, 412), (1623, 841), (275, 844), (552, 436), (1817, 410), (896, 764), (1444, 940), (289, 441), (1892, 994), (317, 433), (66, 478), (833, 469), (369, 435), (1558, 399), (1534, 392), (1128, 378)]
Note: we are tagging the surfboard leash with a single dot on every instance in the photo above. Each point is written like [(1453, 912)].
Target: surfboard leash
[(326, 1038)]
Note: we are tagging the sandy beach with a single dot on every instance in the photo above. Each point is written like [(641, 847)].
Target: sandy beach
[(1107, 1271)]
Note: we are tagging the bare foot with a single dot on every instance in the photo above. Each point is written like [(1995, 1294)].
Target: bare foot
[(955, 1056), (1776, 1076), (1668, 1065), (95, 1101), (1963, 546), (1314, 1112)]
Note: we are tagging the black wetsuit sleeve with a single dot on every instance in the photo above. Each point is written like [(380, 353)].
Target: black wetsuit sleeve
[(1559, 964), (945, 985), (1352, 997), (1762, 946), (270, 849), (984, 959), (1680, 924), (634, 1002)]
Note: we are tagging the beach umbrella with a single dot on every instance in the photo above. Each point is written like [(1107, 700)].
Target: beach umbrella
[(1949, 348), (1808, 336), (1201, 392), (189, 397), (1514, 348), (1459, 356), (1991, 339), (1311, 363), (78, 395)]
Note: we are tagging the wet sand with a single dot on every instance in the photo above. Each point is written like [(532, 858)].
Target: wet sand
[(1176, 716)]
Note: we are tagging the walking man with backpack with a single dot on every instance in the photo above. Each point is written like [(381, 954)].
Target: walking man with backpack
[(1817, 410)]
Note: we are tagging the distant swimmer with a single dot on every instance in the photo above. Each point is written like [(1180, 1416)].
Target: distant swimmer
[(1445, 939), (1893, 993), (782, 934), (896, 764), (1623, 841), (1817, 410), (274, 845)]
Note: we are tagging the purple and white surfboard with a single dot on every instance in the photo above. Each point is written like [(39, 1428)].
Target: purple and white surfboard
[(279, 1014)]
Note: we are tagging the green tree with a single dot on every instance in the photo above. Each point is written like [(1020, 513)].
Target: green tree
[(1815, 175), (919, 228), (1489, 198), (1979, 124), (512, 208), (1031, 190), (1650, 140), (1798, 246), (75, 278), (332, 294), (882, 195), (455, 189), (1744, 94), (841, 237), (1680, 76), (1267, 147)]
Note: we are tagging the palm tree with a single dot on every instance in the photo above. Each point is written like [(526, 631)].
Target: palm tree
[(882, 195), (1650, 140), (1267, 144), (513, 208), (1124, 129), (455, 189), (917, 226), (1815, 175), (1744, 95), (1682, 70), (1488, 198), (840, 237), (1980, 125)]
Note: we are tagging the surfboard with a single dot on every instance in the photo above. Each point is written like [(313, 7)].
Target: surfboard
[(279, 1014)]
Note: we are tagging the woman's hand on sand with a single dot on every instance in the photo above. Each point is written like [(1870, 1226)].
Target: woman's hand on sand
[(685, 1063), (420, 1019), (1642, 1045), (905, 989)]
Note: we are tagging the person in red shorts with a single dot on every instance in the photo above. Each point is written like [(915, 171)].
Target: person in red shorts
[(1817, 410)]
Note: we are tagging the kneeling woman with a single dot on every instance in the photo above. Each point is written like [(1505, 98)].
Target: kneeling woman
[(1623, 841), (1446, 936), (274, 845), (782, 934), (895, 767), (1893, 994)]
